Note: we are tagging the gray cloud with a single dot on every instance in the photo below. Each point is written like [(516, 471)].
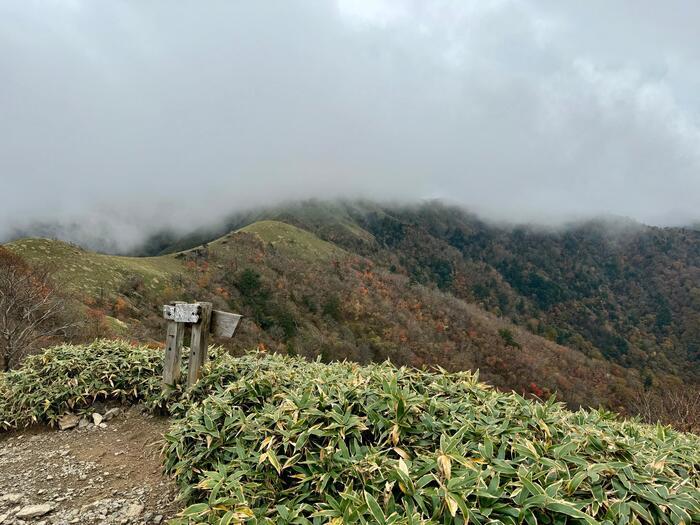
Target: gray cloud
[(117, 118)]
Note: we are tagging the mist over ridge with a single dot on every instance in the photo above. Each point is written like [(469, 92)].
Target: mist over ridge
[(105, 237), (122, 120)]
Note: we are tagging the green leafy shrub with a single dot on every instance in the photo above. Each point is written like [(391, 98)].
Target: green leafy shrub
[(70, 378), (272, 439), (282, 440)]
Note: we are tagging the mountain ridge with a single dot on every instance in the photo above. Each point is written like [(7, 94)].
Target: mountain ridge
[(373, 283), (610, 287)]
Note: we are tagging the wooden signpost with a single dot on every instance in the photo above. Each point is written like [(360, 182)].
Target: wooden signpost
[(203, 320)]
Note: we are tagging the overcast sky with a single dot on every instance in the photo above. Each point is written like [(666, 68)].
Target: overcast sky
[(120, 117)]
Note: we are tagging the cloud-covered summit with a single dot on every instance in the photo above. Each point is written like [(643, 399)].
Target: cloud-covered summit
[(120, 117)]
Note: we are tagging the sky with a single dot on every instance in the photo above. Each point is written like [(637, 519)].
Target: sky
[(121, 118)]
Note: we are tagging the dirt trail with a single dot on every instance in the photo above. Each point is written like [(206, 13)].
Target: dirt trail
[(106, 475)]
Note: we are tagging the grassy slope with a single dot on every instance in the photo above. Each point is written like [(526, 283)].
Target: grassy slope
[(294, 241), (327, 220), (87, 272), (93, 273)]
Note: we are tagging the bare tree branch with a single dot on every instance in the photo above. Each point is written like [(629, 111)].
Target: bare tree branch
[(677, 405), (30, 308)]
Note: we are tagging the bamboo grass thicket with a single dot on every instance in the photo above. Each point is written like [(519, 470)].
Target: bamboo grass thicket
[(273, 439), (283, 440), (70, 378)]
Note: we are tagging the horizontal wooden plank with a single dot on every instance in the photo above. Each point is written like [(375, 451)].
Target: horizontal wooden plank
[(223, 324), (182, 312)]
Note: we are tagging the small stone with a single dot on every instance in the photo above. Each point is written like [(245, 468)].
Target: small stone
[(134, 510), (103, 425), (68, 421), (96, 418), (83, 423), (157, 519), (33, 511), (11, 498), (112, 412)]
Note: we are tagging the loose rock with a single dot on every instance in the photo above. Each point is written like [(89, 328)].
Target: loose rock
[(112, 412), (11, 498), (33, 511), (134, 510), (68, 421)]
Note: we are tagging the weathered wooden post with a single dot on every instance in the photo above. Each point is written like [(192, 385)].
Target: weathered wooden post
[(198, 343), (202, 320), (175, 334)]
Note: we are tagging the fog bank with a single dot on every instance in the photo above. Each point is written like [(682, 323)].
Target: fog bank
[(119, 119)]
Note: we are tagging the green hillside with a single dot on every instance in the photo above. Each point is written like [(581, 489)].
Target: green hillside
[(294, 241), (93, 273)]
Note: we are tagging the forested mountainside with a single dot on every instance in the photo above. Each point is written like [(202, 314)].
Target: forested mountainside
[(574, 312), (611, 288), (302, 295)]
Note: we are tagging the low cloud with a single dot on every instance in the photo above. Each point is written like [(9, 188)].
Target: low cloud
[(119, 119)]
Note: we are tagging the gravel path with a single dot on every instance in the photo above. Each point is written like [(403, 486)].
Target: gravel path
[(108, 473)]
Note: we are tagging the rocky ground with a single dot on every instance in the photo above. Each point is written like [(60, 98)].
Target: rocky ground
[(107, 473)]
